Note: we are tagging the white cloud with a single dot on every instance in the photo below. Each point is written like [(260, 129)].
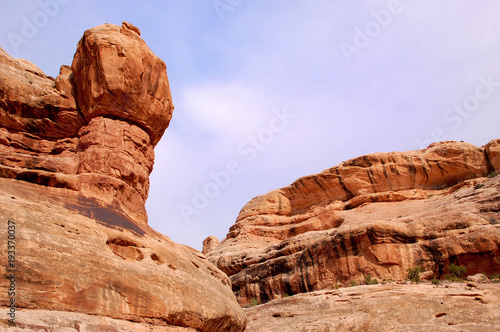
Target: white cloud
[(222, 110)]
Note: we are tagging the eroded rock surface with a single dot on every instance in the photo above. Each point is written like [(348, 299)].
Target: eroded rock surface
[(378, 214), (94, 127), (82, 255), (117, 75), (75, 157), (382, 308), (66, 321)]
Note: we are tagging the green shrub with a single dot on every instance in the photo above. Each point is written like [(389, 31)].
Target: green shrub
[(285, 295), (478, 186), (435, 281), (336, 286), (452, 278), (457, 271), (413, 274), (254, 302), (354, 283), (495, 276), (492, 174), (369, 280)]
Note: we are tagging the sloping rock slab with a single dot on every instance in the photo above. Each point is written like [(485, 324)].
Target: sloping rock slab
[(390, 307), (76, 255)]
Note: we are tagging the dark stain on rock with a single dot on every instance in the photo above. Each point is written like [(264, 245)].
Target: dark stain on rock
[(110, 217)]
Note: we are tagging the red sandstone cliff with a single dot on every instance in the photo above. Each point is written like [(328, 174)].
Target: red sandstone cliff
[(375, 215)]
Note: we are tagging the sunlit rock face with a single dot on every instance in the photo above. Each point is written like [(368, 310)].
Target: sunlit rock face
[(94, 127), (377, 215), (416, 307), (76, 153)]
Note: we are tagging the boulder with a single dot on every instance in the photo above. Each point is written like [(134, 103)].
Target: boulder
[(117, 75), (210, 243), (493, 153)]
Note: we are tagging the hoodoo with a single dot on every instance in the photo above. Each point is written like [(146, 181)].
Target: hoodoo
[(76, 153)]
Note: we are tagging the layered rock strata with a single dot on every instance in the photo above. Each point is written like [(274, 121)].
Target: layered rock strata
[(375, 215), (75, 157), (94, 127)]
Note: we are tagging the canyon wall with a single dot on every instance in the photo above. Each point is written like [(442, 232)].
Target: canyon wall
[(376, 215)]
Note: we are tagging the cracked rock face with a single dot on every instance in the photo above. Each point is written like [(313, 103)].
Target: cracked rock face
[(75, 157), (375, 215)]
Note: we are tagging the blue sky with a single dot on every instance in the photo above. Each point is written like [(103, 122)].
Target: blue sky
[(269, 91)]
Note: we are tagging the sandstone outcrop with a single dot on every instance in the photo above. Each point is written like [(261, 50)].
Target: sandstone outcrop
[(118, 76), (375, 215), (94, 127), (210, 243), (75, 157), (493, 153), (382, 308), (76, 254)]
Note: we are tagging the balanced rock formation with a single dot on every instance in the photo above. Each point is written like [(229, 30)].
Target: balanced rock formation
[(375, 215), (94, 127), (75, 157)]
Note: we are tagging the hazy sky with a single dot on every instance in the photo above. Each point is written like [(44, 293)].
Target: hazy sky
[(269, 91)]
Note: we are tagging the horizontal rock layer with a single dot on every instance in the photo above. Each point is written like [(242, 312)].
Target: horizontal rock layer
[(29, 320), (378, 214)]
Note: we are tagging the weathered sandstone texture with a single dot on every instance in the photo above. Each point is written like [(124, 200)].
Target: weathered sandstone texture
[(378, 214), (78, 254), (75, 157), (66, 321), (94, 127), (381, 308), (210, 243)]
